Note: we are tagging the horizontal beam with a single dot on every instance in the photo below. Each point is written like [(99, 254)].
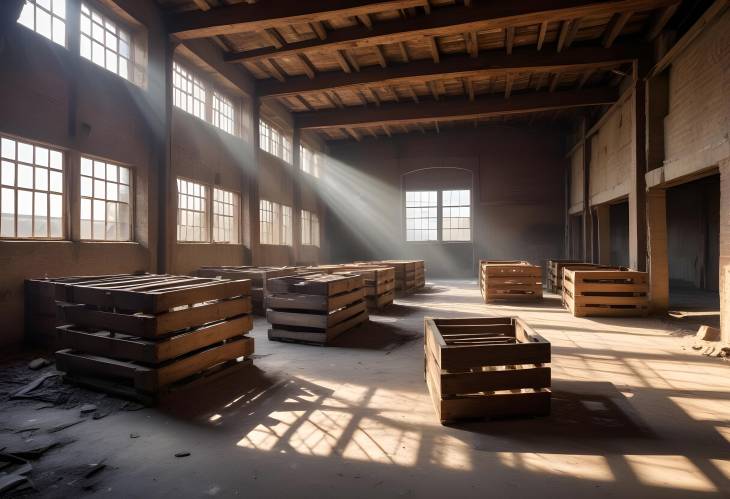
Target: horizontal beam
[(496, 62), (452, 109), (454, 20), (258, 16)]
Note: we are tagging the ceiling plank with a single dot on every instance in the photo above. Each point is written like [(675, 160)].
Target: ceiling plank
[(340, 56), (469, 85), (240, 17), (508, 85), (509, 39), (319, 28), (615, 27), (574, 27), (307, 65), (447, 109), (585, 77), (403, 52), (433, 89), (555, 79), (351, 60), (435, 54), (541, 35), (380, 56), (366, 21), (564, 28), (661, 21), (202, 4), (455, 20), (273, 37), (496, 62)]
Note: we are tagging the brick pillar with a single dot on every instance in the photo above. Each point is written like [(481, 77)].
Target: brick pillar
[(725, 249), (658, 261), (603, 216)]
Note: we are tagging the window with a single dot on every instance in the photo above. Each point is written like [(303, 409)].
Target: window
[(31, 190), (455, 216), (275, 223), (106, 213), (310, 228), (189, 94), (192, 212), (421, 216), (273, 141), (46, 17), (222, 113), (225, 216), (104, 43), (309, 161)]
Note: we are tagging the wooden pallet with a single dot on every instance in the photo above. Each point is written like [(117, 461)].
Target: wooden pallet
[(606, 292), (315, 308), (509, 280), (379, 281), (167, 327), (410, 275), (258, 276), (554, 274), (486, 367)]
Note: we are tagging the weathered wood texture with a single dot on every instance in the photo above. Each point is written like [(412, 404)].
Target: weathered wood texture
[(605, 292), (486, 367), (410, 275), (509, 280), (554, 273), (141, 334), (315, 308), (257, 275), (379, 281)]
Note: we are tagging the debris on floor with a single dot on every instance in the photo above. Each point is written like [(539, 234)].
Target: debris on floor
[(708, 342)]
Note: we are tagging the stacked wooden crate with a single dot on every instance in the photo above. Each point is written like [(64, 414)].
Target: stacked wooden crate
[(379, 281), (139, 336), (486, 367), (420, 274), (509, 280), (605, 291), (257, 275), (41, 314), (554, 273), (405, 273), (315, 308)]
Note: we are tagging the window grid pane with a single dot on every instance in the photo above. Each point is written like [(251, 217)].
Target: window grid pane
[(222, 113), (275, 223), (31, 190), (189, 93), (104, 43), (192, 212), (39, 16), (274, 141), (309, 161), (421, 216), (225, 216), (456, 216), (106, 194)]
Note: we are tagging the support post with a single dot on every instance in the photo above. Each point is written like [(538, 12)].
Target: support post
[(253, 193), (725, 250), (637, 194), (297, 201), (603, 216), (587, 216), (658, 261)]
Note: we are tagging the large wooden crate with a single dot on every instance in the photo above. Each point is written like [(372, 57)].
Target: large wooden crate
[(315, 308), (41, 315), (258, 276), (410, 275), (139, 336), (509, 280), (605, 291), (554, 274), (486, 367), (379, 281)]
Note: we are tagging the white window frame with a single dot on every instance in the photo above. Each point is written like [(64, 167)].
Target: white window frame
[(309, 160), (443, 210), (189, 93), (274, 141), (452, 225), (310, 228), (40, 165), (101, 33), (223, 113), (420, 207), (275, 223), (106, 187), (53, 10), (188, 208), (226, 216)]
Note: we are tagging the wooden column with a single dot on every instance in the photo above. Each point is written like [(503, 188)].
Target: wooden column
[(658, 261), (253, 193), (725, 250), (297, 201), (166, 186), (587, 218), (603, 215), (637, 194)]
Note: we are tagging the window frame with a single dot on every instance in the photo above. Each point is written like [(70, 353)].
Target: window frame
[(65, 175), (273, 140), (235, 209), (121, 30), (406, 218), (442, 217), (93, 178), (53, 16), (439, 217), (313, 169), (312, 222), (282, 233), (206, 212)]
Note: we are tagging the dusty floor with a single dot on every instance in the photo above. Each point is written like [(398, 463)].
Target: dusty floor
[(636, 413)]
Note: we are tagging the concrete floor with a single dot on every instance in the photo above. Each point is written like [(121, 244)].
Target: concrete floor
[(635, 414)]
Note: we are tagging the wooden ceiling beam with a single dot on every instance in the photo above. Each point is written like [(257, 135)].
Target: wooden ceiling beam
[(541, 34), (563, 35), (319, 28), (434, 90), (455, 20), (574, 27), (274, 38), (615, 27), (661, 20), (340, 57), (308, 68), (240, 17), (449, 109), (508, 85), (403, 52), (522, 59), (509, 39), (434, 46), (585, 77), (380, 56)]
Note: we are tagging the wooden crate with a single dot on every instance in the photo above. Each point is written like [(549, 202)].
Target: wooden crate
[(315, 308), (486, 367), (605, 291), (554, 274), (257, 275), (509, 280), (409, 274), (379, 281), (41, 317), (139, 335)]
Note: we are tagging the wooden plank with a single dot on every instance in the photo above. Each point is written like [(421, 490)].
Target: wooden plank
[(313, 302), (319, 337), (318, 321), (462, 108), (497, 405)]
